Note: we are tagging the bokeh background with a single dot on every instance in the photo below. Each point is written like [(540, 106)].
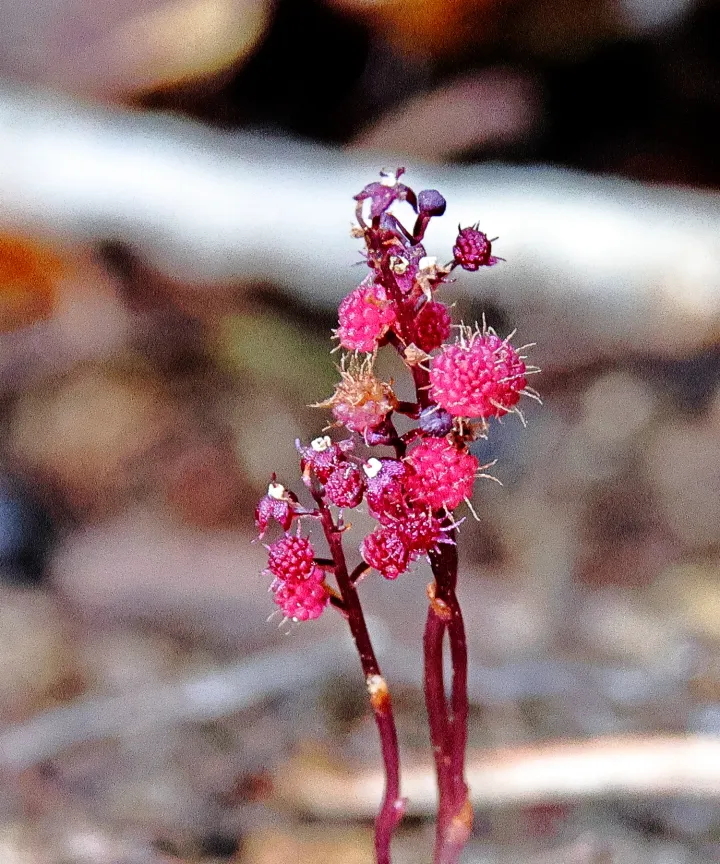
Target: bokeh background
[(176, 184)]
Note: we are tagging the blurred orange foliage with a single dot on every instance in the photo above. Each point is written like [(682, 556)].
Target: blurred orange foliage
[(434, 27), (29, 278)]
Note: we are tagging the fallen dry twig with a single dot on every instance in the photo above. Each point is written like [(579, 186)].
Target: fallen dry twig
[(195, 698)]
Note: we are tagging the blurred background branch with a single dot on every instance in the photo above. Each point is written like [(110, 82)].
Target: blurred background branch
[(619, 262)]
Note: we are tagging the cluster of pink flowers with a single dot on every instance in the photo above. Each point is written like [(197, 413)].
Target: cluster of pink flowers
[(412, 488)]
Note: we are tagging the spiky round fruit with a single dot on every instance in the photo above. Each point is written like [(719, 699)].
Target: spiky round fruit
[(432, 326), (344, 487), (364, 317), (443, 473), (291, 557), (302, 599), (386, 551), (480, 376), (473, 250), (420, 531)]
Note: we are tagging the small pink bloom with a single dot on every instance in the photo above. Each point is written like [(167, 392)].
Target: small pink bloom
[(432, 326), (444, 473), (480, 376), (302, 599), (385, 550), (385, 490), (344, 487), (277, 505), (322, 457), (473, 250), (420, 530), (364, 317), (291, 557)]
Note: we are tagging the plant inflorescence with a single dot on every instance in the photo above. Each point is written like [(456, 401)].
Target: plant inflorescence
[(414, 484)]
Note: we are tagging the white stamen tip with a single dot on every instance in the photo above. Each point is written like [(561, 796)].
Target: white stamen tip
[(372, 467), (277, 491), (321, 444), (427, 262)]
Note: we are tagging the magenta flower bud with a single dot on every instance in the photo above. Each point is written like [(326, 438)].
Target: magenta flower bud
[(386, 551), (432, 326), (481, 375), (385, 491), (322, 457), (444, 474), (278, 505), (473, 250), (345, 486)]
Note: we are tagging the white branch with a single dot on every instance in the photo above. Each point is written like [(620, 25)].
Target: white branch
[(556, 772), (615, 261)]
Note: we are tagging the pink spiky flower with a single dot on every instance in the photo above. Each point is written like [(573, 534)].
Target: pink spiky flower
[(302, 599), (345, 486), (361, 402), (432, 326), (411, 494), (364, 317), (299, 585), (421, 531), (386, 551), (291, 557), (443, 475), (481, 375)]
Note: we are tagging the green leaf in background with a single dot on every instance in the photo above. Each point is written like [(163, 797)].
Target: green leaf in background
[(279, 354)]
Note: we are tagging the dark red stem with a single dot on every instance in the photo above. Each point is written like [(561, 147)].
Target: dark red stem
[(448, 722), (393, 805)]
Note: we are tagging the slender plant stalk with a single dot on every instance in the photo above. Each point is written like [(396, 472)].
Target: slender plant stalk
[(413, 493), (393, 805), (447, 721), (438, 717)]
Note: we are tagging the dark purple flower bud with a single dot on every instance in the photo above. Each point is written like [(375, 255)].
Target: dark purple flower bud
[(431, 203), (435, 421), (473, 249), (384, 193)]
